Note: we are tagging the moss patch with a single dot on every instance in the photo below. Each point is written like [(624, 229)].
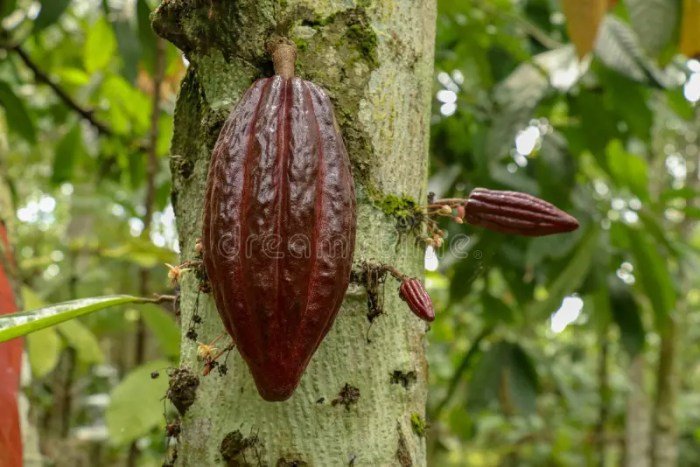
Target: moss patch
[(340, 57), (418, 424), (407, 212), (200, 25)]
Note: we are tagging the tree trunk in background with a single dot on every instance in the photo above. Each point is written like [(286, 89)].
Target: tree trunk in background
[(638, 419), (665, 439), (375, 59)]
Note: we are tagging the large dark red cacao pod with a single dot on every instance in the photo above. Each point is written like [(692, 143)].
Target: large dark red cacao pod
[(279, 228), (517, 213)]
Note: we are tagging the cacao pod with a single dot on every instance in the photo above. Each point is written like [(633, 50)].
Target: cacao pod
[(517, 213), (279, 227), (414, 294)]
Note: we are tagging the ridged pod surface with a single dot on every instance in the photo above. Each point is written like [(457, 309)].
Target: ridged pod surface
[(414, 294), (279, 228), (517, 213)]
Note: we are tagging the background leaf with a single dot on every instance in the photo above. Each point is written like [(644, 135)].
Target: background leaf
[(18, 117), (50, 11), (655, 22), (44, 349), (619, 49), (626, 314), (99, 46), (654, 278), (163, 327), (136, 403)]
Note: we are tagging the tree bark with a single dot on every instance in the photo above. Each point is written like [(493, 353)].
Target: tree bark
[(375, 60)]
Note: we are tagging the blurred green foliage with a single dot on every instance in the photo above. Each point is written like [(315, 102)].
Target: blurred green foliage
[(531, 351)]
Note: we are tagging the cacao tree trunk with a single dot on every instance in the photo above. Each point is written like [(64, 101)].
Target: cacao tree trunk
[(363, 386)]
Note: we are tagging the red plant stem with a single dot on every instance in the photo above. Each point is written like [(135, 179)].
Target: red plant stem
[(10, 364)]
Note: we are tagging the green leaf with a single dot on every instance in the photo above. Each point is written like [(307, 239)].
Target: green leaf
[(99, 47), (495, 310), (617, 47), (17, 116), (627, 100), (485, 379), (504, 374), (147, 37), (677, 102), (140, 251), (7, 7), (516, 97), (129, 107), (628, 170), (654, 278), (523, 380), (70, 146), (44, 349), (74, 333), (555, 168), (570, 279), (164, 328), (626, 314), (80, 338), (50, 11), (655, 22), (136, 404), (24, 322), (129, 47)]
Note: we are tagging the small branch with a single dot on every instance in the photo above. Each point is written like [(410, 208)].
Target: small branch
[(157, 298), (284, 54), (42, 77)]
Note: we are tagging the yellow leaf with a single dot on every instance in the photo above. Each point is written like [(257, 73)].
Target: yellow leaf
[(690, 28), (583, 18)]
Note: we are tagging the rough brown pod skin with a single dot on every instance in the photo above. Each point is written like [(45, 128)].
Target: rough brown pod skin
[(517, 213), (414, 294), (279, 228)]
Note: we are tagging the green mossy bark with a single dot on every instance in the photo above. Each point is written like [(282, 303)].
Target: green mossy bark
[(374, 57)]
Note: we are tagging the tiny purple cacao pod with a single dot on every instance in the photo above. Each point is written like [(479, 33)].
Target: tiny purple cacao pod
[(414, 294), (517, 213)]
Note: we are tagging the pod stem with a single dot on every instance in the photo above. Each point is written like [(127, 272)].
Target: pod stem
[(284, 54), (398, 275)]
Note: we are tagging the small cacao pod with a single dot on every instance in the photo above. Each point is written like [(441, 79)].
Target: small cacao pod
[(414, 294), (279, 227), (517, 213)]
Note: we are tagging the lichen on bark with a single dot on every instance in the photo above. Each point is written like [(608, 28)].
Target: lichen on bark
[(375, 60)]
